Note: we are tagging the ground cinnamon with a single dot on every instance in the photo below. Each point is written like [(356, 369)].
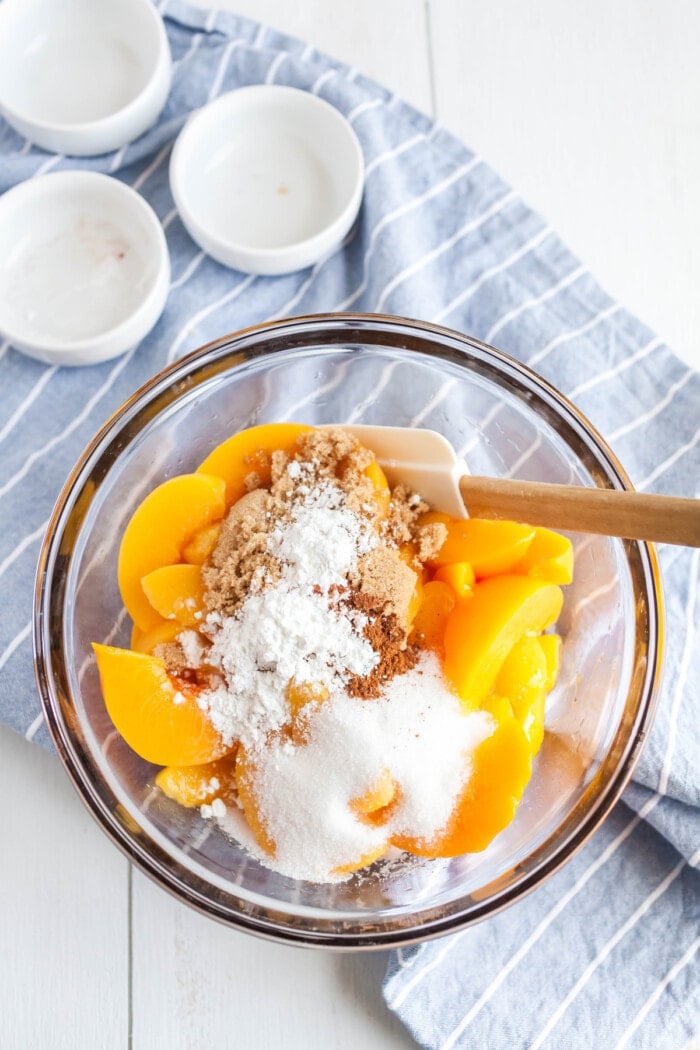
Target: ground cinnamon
[(388, 638)]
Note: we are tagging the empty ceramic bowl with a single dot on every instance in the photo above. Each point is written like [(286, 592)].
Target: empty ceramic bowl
[(267, 179), (84, 267), (80, 77)]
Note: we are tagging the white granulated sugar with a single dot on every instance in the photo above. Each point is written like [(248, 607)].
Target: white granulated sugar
[(291, 629), (417, 731)]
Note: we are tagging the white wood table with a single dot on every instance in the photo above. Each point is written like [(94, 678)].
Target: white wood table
[(591, 111)]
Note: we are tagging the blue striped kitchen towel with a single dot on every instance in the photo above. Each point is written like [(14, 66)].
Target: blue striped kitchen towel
[(602, 955)]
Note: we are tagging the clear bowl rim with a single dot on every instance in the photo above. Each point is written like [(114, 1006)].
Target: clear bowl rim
[(73, 755)]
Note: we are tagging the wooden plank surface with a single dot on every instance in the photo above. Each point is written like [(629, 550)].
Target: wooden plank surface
[(199, 984), (590, 110), (64, 929)]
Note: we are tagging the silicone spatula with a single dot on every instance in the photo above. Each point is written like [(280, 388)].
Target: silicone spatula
[(426, 462)]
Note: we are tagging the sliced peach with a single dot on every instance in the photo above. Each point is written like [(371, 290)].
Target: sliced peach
[(501, 767), (523, 680), (157, 532), (202, 544), (376, 799), (458, 575), (164, 632), (158, 716), (549, 557), (382, 492), (301, 694), (551, 647), (491, 547), (435, 517), (136, 635), (362, 862), (250, 452), (194, 786), (437, 602), (245, 783), (300, 697), (176, 592), (482, 630), (415, 602)]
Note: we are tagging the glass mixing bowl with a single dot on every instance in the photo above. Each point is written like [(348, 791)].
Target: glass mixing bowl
[(350, 368)]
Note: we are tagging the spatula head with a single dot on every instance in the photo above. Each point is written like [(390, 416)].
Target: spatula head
[(422, 459)]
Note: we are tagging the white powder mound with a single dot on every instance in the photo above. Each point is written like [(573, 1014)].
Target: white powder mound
[(291, 629), (417, 730), (192, 648), (323, 542), (279, 635)]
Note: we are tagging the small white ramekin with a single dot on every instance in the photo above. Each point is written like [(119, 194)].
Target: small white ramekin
[(84, 267), (82, 77), (267, 179)]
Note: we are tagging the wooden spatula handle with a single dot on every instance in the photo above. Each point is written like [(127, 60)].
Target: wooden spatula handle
[(632, 515)]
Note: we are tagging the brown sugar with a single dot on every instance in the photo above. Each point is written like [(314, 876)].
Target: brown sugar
[(240, 563), (337, 456), (386, 576), (405, 509), (172, 655), (240, 560), (430, 539)]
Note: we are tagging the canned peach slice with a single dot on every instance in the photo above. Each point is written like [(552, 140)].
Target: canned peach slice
[(551, 647), (490, 547), (176, 592), (459, 575), (136, 636), (482, 630), (549, 557), (428, 630), (157, 532), (161, 634), (193, 786), (201, 545), (376, 799), (300, 695), (362, 862), (245, 784), (250, 452), (523, 680), (382, 492), (157, 715)]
